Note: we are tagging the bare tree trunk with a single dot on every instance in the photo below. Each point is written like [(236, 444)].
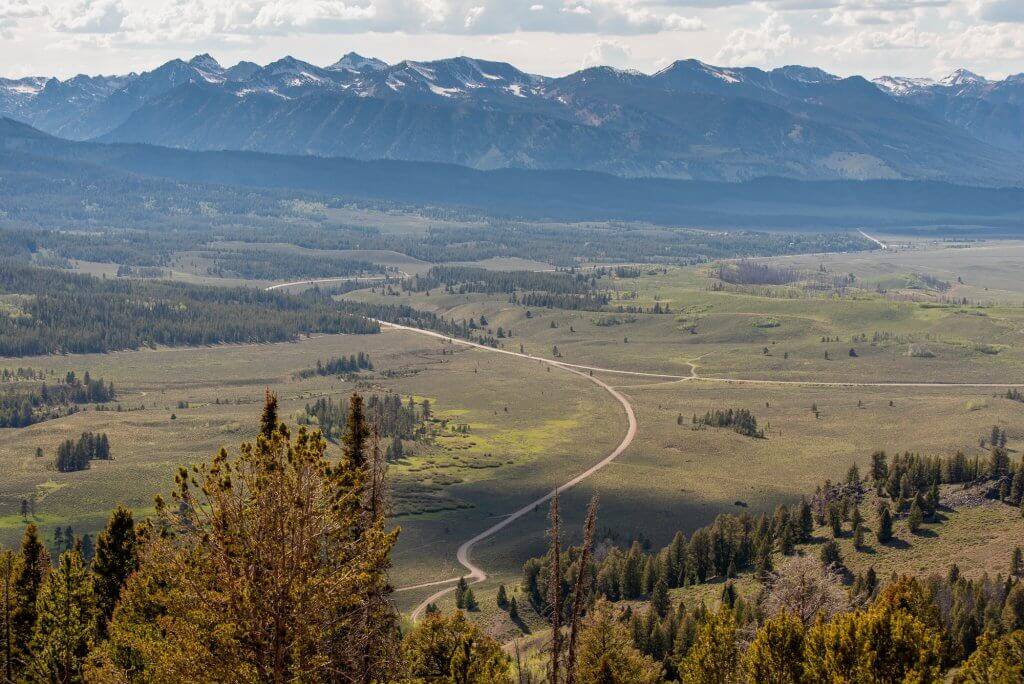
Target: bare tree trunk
[(580, 591), (555, 592)]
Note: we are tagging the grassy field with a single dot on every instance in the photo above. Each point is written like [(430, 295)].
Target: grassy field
[(525, 432), (532, 428)]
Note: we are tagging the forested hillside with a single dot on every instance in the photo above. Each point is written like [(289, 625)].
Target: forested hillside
[(47, 311)]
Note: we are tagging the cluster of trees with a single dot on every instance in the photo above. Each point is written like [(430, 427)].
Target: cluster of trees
[(198, 597), (803, 625), (73, 455), (1015, 395), (339, 365), (65, 312), (745, 272), (22, 404), (266, 264), (740, 420), (388, 414), (462, 279), (907, 476), (806, 627), (594, 301)]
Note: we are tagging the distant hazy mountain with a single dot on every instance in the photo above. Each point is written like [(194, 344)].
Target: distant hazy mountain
[(990, 111), (690, 120)]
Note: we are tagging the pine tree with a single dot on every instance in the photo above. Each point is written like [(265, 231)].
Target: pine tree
[(66, 624), (607, 655), (35, 567), (916, 516), (806, 522), (513, 609), (884, 532), (274, 569), (659, 597), (469, 599), (268, 421), (858, 537), (502, 599), (714, 657), (460, 593), (116, 558), (1017, 563), (776, 654), (10, 569)]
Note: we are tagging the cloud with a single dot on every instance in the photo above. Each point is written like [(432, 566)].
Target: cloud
[(905, 37), (90, 16), (608, 53), (676, 22), (983, 43), (758, 46), (1000, 10)]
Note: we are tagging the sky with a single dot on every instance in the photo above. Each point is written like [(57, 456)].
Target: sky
[(552, 37)]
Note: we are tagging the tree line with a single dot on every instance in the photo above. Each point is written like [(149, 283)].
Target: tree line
[(387, 414), (23, 403), (68, 313)]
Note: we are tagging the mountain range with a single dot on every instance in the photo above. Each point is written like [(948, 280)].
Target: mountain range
[(690, 120)]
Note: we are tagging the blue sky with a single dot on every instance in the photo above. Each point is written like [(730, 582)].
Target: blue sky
[(553, 37)]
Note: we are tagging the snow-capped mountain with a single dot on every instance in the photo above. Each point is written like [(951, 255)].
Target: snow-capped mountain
[(990, 111), (690, 120)]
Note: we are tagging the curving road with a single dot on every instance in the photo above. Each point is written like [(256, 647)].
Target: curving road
[(475, 572)]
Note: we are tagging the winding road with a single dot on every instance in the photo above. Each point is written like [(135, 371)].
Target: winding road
[(477, 574)]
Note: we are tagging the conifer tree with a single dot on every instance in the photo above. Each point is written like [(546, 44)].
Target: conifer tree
[(606, 654), (776, 654), (10, 569), (66, 623), (116, 558), (884, 531), (269, 561), (502, 599), (714, 657), (35, 566)]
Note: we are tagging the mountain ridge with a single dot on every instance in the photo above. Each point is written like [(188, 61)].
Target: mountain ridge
[(688, 120)]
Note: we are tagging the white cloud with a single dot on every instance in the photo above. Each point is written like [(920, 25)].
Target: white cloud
[(1000, 10), (758, 46), (609, 53), (90, 16), (905, 37), (676, 22)]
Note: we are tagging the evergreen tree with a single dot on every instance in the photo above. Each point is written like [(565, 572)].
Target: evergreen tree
[(273, 568), (502, 599), (66, 623), (714, 657), (806, 522), (884, 531), (916, 515), (10, 569), (776, 654), (35, 567), (116, 558), (659, 597), (513, 609), (451, 649), (606, 654)]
